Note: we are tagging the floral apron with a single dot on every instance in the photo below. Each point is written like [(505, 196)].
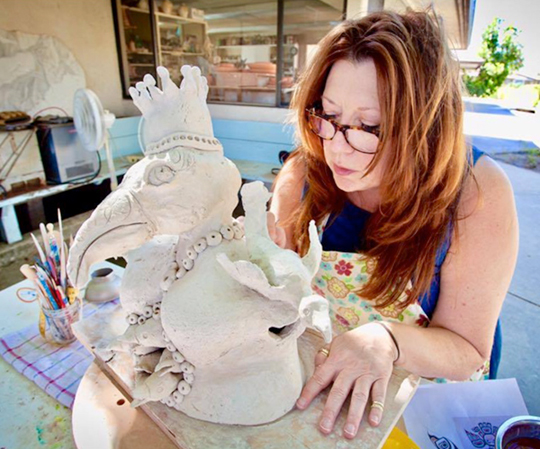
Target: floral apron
[(340, 274)]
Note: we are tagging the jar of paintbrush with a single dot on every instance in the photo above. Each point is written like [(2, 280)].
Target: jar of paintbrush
[(60, 306)]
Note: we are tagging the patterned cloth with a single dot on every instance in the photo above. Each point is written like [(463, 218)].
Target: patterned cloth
[(57, 370), (340, 275)]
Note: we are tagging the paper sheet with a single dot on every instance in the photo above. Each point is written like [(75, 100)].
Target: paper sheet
[(462, 415)]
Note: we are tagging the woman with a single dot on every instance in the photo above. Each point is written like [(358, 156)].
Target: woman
[(419, 234)]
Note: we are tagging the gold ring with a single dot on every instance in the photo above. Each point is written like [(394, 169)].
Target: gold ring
[(324, 351), (377, 404)]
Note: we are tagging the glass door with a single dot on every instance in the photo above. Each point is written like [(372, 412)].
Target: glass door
[(305, 23), (135, 41), (249, 53), (182, 39)]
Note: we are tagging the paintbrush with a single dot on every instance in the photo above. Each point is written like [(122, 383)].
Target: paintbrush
[(38, 246), (31, 275), (48, 275), (62, 252), (42, 276), (52, 271), (57, 295), (62, 296), (43, 265), (45, 238), (53, 242)]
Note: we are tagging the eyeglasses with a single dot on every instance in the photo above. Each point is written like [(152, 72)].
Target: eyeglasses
[(362, 138)]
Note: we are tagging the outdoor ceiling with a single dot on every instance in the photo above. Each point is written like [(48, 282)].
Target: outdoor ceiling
[(260, 16), (457, 16)]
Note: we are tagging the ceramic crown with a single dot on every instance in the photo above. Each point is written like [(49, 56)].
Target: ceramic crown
[(175, 116)]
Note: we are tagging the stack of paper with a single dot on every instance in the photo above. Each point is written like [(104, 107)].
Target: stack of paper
[(462, 415)]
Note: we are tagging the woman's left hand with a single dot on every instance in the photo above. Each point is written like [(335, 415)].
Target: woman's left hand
[(359, 361)]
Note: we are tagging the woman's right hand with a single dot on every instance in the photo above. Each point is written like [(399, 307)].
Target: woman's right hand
[(277, 233)]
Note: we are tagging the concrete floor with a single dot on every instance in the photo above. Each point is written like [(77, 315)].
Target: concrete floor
[(521, 310), (493, 128)]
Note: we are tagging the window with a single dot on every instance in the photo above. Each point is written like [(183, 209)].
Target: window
[(251, 52), (243, 39), (305, 23)]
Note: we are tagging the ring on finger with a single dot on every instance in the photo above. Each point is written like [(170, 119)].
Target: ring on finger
[(377, 404), (324, 351)]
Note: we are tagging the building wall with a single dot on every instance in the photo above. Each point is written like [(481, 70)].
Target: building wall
[(87, 29)]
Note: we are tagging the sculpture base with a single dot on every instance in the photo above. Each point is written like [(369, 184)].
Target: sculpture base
[(297, 429)]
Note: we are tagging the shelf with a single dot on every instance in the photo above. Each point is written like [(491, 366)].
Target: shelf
[(246, 45), (121, 165), (140, 53), (174, 25), (139, 10), (246, 88), (180, 53), (153, 45), (251, 45), (165, 16), (182, 19)]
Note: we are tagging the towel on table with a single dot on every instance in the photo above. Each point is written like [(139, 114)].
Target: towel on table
[(57, 370)]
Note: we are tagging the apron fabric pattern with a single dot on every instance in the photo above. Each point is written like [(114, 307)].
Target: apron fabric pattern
[(340, 275)]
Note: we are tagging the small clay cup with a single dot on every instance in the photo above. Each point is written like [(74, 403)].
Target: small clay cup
[(103, 287)]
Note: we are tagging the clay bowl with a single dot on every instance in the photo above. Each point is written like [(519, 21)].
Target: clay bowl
[(226, 67), (287, 81), (262, 67)]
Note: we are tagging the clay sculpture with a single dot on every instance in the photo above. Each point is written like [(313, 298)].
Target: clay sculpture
[(213, 315)]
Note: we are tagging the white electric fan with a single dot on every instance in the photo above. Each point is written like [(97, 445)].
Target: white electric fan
[(92, 123)]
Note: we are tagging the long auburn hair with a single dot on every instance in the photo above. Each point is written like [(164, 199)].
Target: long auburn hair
[(422, 126)]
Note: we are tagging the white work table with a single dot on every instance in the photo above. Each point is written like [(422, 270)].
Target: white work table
[(29, 417), (9, 218)]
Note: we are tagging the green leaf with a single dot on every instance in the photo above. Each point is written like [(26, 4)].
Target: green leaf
[(502, 56)]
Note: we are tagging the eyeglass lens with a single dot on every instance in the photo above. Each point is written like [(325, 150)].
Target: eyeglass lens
[(358, 139)]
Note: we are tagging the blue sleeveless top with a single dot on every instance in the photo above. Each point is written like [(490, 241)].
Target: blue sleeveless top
[(343, 234)]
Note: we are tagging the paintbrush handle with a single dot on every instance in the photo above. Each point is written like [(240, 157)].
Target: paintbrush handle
[(45, 238), (38, 247), (63, 252), (43, 280), (63, 261), (53, 243), (31, 275), (62, 296), (52, 270)]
